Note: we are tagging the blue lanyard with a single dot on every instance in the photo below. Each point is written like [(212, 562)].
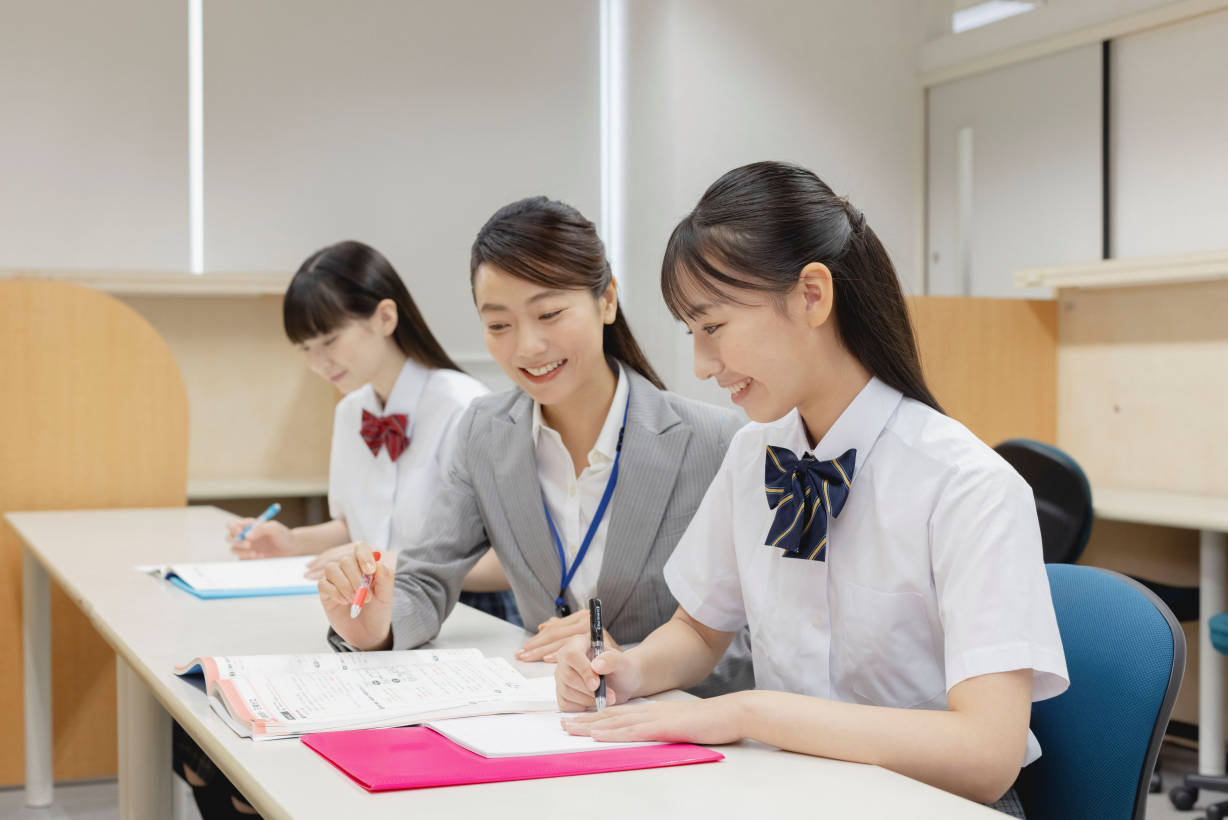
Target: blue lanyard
[(560, 603)]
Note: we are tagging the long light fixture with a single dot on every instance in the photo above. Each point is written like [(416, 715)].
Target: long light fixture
[(982, 14), (612, 37), (196, 137)]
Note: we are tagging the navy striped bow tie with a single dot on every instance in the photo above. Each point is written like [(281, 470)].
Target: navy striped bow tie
[(804, 492)]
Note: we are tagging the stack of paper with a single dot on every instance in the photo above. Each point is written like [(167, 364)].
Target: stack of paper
[(540, 733), (271, 696)]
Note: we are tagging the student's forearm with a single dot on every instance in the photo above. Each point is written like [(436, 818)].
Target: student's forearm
[(676, 655), (486, 576), (315, 539), (953, 751)]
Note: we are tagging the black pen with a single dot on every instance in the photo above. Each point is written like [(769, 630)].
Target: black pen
[(596, 633)]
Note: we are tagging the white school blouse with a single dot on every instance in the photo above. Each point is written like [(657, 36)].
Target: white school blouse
[(385, 502), (934, 572), (573, 500)]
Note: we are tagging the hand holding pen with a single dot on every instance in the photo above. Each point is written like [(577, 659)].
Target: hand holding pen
[(260, 537), (591, 673), (356, 592)]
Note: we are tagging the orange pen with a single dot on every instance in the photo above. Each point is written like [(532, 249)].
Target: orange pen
[(360, 595)]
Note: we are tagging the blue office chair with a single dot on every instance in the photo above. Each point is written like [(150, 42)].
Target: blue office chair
[(1186, 795), (1100, 738), (1063, 496)]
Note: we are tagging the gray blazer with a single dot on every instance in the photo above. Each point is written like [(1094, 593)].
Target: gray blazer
[(490, 498)]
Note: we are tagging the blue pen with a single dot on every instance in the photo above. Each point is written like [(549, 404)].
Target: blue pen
[(273, 510)]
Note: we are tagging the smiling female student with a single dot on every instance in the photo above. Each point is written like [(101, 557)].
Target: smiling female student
[(888, 563), (394, 430), (581, 478)]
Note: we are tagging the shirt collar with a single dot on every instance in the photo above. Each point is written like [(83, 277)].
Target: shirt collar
[(860, 425), (607, 440), (406, 392)]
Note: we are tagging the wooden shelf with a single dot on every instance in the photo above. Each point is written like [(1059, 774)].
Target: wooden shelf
[(163, 283), (215, 488), (1198, 512), (1119, 273)]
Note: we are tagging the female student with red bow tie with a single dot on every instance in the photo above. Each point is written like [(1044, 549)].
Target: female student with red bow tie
[(393, 432), (887, 562)]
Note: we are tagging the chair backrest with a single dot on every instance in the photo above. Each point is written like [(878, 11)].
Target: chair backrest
[(1099, 739), (94, 415), (1063, 496)]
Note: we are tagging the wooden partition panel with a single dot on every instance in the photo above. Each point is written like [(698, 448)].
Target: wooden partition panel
[(1143, 376), (991, 363), (1144, 385), (94, 415), (257, 411)]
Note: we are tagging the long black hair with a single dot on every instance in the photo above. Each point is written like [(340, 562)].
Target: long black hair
[(756, 228), (551, 244), (347, 281)]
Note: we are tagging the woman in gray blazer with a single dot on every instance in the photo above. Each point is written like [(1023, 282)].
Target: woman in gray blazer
[(588, 418)]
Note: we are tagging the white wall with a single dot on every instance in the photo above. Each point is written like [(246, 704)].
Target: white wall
[(714, 84), (1036, 173), (93, 135), (1170, 139), (404, 125)]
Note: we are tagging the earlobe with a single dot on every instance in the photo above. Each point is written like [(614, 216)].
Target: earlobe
[(815, 283)]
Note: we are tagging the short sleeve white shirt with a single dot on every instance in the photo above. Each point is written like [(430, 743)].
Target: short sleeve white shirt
[(573, 500), (385, 502), (933, 574)]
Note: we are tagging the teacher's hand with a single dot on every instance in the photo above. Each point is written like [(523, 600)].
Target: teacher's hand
[(552, 634)]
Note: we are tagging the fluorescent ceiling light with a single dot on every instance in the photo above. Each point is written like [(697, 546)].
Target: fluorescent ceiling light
[(982, 14)]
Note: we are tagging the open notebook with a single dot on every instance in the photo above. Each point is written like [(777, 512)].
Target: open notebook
[(271, 696), (239, 579)]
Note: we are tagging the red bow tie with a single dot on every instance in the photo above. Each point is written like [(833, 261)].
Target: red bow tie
[(385, 431)]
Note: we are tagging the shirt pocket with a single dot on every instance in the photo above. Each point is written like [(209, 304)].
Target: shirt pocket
[(886, 649)]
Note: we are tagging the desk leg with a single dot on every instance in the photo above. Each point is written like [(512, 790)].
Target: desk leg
[(145, 780), (36, 655), (1212, 549)]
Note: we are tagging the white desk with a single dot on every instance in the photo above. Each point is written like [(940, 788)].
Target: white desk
[(152, 626), (1209, 515)]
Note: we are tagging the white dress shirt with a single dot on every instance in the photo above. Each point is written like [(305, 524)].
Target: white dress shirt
[(385, 502), (573, 500), (933, 574)]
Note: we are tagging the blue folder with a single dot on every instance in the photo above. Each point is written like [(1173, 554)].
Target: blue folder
[(257, 592)]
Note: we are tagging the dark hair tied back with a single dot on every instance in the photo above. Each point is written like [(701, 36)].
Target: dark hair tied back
[(347, 281), (857, 220), (758, 226), (551, 244)]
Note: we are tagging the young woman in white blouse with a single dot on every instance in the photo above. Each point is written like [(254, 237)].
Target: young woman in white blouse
[(888, 563)]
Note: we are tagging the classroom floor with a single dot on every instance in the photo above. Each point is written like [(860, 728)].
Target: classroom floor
[(95, 800), (99, 800)]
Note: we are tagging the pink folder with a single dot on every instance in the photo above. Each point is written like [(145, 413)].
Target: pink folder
[(415, 757)]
